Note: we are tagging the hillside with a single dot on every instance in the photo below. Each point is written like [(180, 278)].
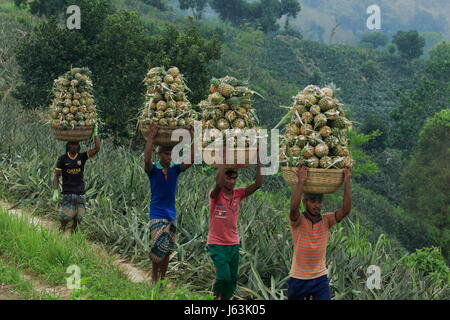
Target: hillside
[(277, 65)]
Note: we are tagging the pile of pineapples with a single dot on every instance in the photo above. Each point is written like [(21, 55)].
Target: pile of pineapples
[(316, 133), (228, 107), (166, 103), (73, 102)]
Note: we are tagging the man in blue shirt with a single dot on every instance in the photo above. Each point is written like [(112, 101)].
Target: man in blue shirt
[(163, 176)]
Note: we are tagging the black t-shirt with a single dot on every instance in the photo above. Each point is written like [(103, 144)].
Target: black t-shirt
[(72, 172)]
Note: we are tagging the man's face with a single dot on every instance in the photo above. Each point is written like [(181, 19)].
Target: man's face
[(165, 156), (314, 205), (230, 181), (73, 147)]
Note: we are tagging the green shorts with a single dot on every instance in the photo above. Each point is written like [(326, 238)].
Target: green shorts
[(226, 265)]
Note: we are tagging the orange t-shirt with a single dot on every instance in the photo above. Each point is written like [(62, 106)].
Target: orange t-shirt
[(310, 246)]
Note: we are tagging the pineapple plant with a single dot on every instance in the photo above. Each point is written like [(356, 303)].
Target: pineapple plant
[(315, 130), (73, 102), (165, 99)]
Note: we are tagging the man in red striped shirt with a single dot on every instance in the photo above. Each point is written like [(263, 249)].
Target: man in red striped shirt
[(310, 234)]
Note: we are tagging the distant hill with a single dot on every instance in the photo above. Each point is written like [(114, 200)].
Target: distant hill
[(318, 18)]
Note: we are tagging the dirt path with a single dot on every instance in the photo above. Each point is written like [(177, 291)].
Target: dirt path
[(133, 273)]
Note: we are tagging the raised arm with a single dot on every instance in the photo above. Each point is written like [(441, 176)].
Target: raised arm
[(258, 180), (94, 151), (149, 148), (185, 166), (302, 174), (347, 201), (220, 180)]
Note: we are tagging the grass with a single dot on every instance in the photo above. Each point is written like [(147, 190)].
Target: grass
[(47, 255), (18, 287)]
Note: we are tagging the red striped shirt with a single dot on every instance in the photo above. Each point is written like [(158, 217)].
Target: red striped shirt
[(310, 246)]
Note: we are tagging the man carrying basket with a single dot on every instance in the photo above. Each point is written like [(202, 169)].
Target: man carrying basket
[(310, 235), (163, 177), (70, 166)]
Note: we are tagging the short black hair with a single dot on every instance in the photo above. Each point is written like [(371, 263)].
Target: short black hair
[(164, 149), (231, 172), (307, 196), (73, 143)]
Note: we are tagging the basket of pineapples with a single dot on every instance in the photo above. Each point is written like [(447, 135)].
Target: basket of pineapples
[(227, 113), (73, 113), (166, 105), (316, 136)]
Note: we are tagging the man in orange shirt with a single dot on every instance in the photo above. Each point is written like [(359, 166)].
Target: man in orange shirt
[(310, 234)]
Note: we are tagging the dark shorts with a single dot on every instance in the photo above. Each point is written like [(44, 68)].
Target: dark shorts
[(315, 289), (226, 265)]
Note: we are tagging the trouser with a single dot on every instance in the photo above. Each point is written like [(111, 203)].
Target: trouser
[(226, 264)]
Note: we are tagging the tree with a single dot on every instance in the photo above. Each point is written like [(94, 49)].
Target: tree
[(119, 62), (55, 49), (159, 4), (190, 52), (374, 40), (197, 7), (431, 94), (234, 11), (438, 66), (392, 48), (44, 8), (410, 44), (119, 50), (425, 180), (264, 13)]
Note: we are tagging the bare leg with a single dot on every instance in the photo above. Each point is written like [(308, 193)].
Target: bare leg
[(163, 266), (63, 226), (74, 225)]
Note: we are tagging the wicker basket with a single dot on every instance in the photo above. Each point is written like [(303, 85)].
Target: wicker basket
[(74, 134), (319, 181), (164, 136), (250, 157)]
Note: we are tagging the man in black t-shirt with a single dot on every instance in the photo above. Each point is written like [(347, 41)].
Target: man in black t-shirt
[(71, 167)]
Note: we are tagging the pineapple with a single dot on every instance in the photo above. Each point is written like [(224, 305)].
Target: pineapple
[(312, 162), (308, 151), (321, 150), (326, 103), (325, 162), (331, 141), (226, 90), (315, 138), (307, 117), (73, 103), (320, 120), (325, 131), (315, 110), (166, 99)]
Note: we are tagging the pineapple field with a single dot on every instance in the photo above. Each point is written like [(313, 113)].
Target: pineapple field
[(341, 106)]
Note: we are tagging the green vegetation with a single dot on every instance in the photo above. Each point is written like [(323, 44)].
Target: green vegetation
[(118, 66), (425, 180), (118, 209), (410, 44), (48, 255), (388, 97)]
